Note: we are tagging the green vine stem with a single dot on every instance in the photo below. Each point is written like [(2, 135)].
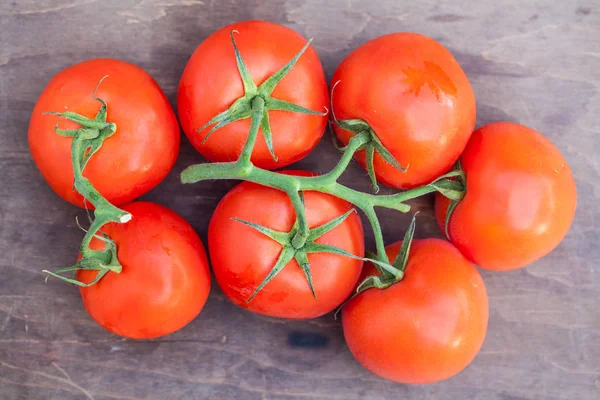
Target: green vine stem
[(327, 183), (87, 140), (299, 241)]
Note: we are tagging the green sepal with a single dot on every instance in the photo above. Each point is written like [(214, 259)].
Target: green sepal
[(265, 125), (402, 257), (320, 230), (336, 143), (100, 275), (386, 155), (274, 104), (214, 120), (249, 85), (302, 260), (396, 273), (452, 184), (454, 190), (268, 86), (449, 212), (286, 255), (370, 155), (374, 281), (282, 238), (327, 248)]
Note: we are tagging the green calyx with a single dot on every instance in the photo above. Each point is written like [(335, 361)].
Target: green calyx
[(386, 278), (87, 140), (452, 185), (371, 146), (257, 101), (292, 249)]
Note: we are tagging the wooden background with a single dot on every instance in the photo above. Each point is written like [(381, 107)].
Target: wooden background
[(537, 63)]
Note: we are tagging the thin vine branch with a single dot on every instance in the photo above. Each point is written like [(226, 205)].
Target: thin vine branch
[(87, 140)]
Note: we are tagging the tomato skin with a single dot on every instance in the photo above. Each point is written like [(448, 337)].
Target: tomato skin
[(425, 328), (165, 279), (131, 162), (520, 200), (211, 83), (417, 99), (242, 257)]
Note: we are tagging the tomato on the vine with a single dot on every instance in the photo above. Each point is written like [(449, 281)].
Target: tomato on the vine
[(411, 93), (242, 257), (425, 328), (165, 279), (211, 84), (135, 159), (520, 198)]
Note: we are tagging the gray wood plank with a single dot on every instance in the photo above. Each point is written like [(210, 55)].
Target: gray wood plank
[(536, 63)]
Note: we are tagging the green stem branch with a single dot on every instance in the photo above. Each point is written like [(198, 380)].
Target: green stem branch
[(86, 141)]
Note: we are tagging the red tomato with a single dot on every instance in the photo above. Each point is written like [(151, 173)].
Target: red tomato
[(520, 198), (242, 257), (131, 162), (425, 328), (415, 97), (211, 83), (165, 279)]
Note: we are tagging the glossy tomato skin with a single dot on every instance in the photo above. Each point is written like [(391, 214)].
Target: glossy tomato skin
[(425, 328), (520, 199), (242, 257), (211, 83), (130, 163), (417, 99), (165, 279)]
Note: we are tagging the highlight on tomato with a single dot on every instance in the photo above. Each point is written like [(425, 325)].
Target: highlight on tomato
[(257, 266), (423, 325), (254, 72), (413, 98), (141, 135), (165, 279), (520, 198)]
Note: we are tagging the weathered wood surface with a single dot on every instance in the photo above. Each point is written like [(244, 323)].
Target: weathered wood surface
[(536, 63)]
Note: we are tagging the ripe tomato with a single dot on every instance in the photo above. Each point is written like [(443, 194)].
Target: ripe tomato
[(131, 162), (415, 97), (165, 278), (520, 198), (425, 328), (211, 83), (242, 257)]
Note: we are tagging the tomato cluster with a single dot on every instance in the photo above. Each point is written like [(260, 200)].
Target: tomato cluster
[(253, 98)]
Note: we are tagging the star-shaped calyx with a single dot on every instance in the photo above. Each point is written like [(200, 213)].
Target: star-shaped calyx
[(300, 254), (358, 127), (257, 101)]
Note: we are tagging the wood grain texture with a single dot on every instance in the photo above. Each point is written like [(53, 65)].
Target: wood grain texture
[(537, 63)]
